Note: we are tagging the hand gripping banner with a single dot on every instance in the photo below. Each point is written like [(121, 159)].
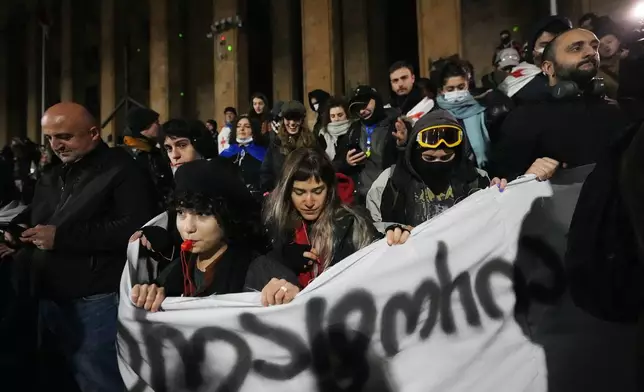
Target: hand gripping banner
[(434, 314)]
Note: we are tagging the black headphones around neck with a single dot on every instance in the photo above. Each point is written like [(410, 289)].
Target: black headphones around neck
[(567, 89)]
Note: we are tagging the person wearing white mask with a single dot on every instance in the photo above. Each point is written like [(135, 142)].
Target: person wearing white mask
[(247, 151), (471, 111), (335, 123), (317, 101)]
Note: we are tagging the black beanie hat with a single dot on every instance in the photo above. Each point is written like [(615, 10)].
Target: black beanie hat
[(213, 179), (140, 119)]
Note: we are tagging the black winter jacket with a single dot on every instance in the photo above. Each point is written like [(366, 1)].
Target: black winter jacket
[(363, 175), (96, 204)]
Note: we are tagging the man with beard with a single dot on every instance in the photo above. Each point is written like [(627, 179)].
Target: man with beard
[(574, 126), (432, 176), (407, 98), (526, 83), (370, 146)]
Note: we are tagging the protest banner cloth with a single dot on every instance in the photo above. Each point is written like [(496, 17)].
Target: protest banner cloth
[(434, 314)]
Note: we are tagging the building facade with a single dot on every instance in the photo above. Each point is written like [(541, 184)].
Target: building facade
[(157, 52)]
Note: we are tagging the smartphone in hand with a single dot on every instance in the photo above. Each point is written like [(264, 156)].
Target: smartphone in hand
[(355, 146), (294, 257)]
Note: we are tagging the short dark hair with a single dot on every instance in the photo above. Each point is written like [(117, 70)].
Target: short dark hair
[(453, 69), (399, 65), (193, 130), (231, 110), (334, 102)]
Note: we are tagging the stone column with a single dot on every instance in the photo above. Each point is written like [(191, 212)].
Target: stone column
[(439, 31), (321, 48), (231, 61), (159, 64), (355, 37), (108, 71), (66, 47), (33, 49), (378, 67), (201, 61), (282, 28)]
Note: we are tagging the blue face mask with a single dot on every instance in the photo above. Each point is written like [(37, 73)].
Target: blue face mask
[(456, 96)]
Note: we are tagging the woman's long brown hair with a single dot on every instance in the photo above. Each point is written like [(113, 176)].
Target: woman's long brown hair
[(282, 217)]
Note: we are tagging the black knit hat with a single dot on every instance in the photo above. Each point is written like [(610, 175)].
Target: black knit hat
[(213, 179), (363, 94), (140, 119)]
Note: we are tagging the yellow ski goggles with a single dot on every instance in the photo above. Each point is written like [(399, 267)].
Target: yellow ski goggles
[(448, 135)]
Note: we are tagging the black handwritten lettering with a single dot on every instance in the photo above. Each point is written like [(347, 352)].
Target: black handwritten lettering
[(483, 287), (411, 307), (462, 282), (298, 350), (240, 371), (338, 355), (155, 336)]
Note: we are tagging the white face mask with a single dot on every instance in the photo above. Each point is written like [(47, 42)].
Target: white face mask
[(245, 141), (456, 96), (316, 106)]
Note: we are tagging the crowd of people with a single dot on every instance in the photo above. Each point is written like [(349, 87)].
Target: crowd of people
[(266, 203)]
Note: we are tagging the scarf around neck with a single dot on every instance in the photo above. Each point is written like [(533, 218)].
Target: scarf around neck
[(473, 116), (256, 151), (518, 78), (138, 143), (331, 134)]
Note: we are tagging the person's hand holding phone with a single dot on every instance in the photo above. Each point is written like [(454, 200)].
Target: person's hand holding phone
[(355, 157), (299, 257)]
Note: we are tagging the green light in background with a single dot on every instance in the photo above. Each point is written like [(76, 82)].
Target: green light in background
[(182, 94), (230, 48), (180, 35), (515, 29)]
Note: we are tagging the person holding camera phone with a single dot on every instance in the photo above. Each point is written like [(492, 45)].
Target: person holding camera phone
[(370, 146), (311, 228)]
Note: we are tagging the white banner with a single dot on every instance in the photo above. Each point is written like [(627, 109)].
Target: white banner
[(435, 314)]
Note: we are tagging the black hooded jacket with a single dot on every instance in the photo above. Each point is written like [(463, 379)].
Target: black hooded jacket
[(400, 199), (384, 149), (321, 97)]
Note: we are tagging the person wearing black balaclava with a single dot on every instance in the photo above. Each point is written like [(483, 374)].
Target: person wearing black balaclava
[(370, 146), (317, 100), (432, 176)]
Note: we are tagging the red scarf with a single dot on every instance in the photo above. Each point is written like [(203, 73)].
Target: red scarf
[(302, 238)]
